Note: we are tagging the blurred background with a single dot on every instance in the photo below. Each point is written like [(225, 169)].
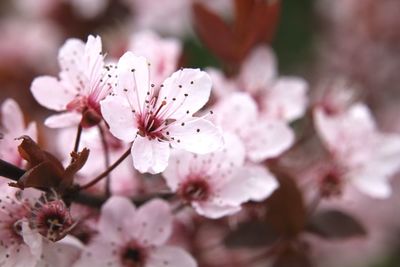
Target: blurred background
[(320, 40)]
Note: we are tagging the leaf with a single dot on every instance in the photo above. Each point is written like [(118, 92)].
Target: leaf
[(78, 161), (286, 211), (31, 152), (253, 234), (215, 34), (335, 224), (41, 176)]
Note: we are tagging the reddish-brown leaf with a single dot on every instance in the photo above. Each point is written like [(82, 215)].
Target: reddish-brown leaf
[(286, 211), (42, 176), (252, 234), (214, 32), (335, 224)]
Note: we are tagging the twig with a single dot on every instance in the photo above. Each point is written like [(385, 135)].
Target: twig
[(106, 172), (106, 159), (78, 138)]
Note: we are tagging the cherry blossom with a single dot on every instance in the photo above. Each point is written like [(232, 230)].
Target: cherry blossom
[(217, 184), (156, 117), (134, 237), (13, 126), (21, 244), (263, 138), (365, 157), (278, 97), (84, 80), (162, 53)]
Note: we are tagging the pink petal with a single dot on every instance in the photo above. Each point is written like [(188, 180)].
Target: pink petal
[(152, 224), (50, 93), (252, 182), (12, 117), (66, 119), (133, 80), (286, 100), (162, 53), (267, 139), (185, 92), (222, 86), (179, 167), (33, 239), (99, 253), (150, 155), (258, 70), (372, 184), (239, 106), (118, 114), (170, 256), (195, 135), (71, 58), (342, 131), (116, 218), (214, 209)]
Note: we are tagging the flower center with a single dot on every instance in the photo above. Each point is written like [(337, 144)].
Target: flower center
[(53, 220), (331, 184), (151, 122), (133, 255), (195, 190)]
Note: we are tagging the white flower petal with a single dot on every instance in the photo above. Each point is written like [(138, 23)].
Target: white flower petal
[(258, 70), (236, 113), (371, 184), (50, 93), (66, 119), (214, 210), (195, 135), (116, 216), (251, 182), (286, 100), (12, 117), (120, 117), (133, 80), (152, 224), (267, 139), (185, 92), (150, 155)]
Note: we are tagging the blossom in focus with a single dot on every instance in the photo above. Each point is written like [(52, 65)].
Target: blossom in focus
[(134, 237), (217, 184), (263, 138), (156, 117), (365, 157), (162, 53), (13, 126), (84, 80)]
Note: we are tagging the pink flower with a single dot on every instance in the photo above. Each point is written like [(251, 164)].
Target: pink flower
[(263, 138), (217, 184), (129, 237), (162, 53), (279, 98), (21, 243), (84, 81), (13, 126), (156, 117), (365, 156)]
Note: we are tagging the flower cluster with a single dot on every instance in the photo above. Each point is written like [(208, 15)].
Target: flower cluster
[(151, 164)]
